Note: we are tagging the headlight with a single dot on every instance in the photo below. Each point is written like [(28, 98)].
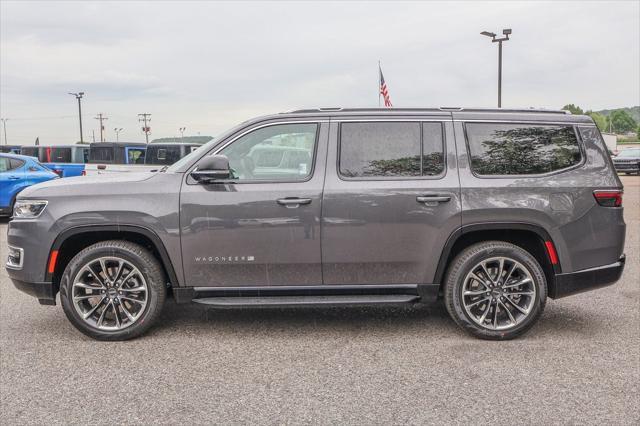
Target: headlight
[(28, 209)]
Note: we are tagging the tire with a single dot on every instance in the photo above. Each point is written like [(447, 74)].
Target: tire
[(117, 309), (475, 311)]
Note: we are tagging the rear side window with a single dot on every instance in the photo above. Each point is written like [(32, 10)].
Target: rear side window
[(60, 155), (8, 164), (521, 149), (103, 154), (14, 163), (381, 150)]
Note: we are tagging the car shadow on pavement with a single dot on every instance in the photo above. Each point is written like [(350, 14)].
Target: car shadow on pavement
[(432, 319)]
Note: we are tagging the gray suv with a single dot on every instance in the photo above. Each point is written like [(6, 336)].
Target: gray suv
[(492, 211)]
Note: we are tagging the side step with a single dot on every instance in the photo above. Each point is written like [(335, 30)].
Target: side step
[(283, 301)]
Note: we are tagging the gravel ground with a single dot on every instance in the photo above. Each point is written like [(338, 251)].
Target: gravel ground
[(580, 364)]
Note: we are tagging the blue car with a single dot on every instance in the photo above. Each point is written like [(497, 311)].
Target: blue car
[(16, 173)]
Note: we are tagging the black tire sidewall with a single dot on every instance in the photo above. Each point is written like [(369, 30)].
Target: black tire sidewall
[(137, 256), (463, 264)]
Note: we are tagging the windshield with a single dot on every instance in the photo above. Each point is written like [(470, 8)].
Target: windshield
[(634, 152)]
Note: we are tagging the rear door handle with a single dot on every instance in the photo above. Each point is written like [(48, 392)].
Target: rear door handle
[(433, 198), (293, 201)]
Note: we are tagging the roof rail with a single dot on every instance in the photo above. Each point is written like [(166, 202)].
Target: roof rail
[(446, 109)]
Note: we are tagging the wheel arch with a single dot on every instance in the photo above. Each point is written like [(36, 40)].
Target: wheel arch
[(528, 236), (71, 241)]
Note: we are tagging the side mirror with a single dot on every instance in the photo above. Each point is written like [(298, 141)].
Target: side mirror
[(212, 168)]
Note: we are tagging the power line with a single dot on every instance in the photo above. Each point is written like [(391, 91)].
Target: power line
[(101, 117), (146, 129)]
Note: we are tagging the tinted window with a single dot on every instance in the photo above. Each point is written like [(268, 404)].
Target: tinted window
[(14, 163), (102, 154), (521, 149), (30, 151), (60, 155), (164, 155), (391, 149), (432, 149), (279, 152)]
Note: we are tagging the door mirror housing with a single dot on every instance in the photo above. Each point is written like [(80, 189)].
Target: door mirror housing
[(212, 168)]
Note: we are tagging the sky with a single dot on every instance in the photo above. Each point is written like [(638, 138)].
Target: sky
[(207, 66)]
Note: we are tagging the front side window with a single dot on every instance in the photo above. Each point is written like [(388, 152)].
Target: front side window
[(382, 150), (521, 149), (278, 152)]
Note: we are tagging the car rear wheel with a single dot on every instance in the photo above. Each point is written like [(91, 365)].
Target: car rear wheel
[(113, 290), (495, 290)]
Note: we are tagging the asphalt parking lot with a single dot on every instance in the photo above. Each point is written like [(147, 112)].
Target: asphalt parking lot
[(579, 364)]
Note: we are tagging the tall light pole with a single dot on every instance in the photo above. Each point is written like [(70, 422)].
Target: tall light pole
[(182, 129), (506, 33), (118, 130), (78, 97), (4, 126)]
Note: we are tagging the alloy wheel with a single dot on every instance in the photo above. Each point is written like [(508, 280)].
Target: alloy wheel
[(498, 293), (109, 293)]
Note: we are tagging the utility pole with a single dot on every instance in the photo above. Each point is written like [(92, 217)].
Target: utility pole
[(182, 129), (4, 125), (145, 117), (78, 97), (118, 130), (101, 117), (506, 33)]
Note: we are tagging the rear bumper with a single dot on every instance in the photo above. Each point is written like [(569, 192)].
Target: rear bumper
[(587, 279), (44, 292)]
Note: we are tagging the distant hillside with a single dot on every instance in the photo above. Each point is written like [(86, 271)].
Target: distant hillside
[(186, 139), (633, 112)]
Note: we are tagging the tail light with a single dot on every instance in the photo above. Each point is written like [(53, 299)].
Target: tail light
[(83, 173), (609, 198), (58, 172)]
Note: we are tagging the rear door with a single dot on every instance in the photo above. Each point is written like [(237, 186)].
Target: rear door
[(391, 199)]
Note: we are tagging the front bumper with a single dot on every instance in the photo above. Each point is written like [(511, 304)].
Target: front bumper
[(627, 167), (587, 279), (44, 292)]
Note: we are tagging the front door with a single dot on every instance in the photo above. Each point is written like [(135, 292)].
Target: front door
[(391, 199), (261, 227)]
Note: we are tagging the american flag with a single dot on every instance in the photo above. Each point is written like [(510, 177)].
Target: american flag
[(384, 91)]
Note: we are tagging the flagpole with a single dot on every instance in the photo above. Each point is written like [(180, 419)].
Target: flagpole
[(379, 81)]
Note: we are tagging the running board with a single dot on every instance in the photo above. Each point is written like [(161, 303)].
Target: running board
[(284, 301)]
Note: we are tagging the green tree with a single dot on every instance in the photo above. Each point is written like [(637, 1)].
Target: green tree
[(622, 122), (638, 132), (599, 119), (573, 109)]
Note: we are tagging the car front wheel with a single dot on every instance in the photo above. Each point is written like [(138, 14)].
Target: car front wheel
[(495, 290), (113, 290)]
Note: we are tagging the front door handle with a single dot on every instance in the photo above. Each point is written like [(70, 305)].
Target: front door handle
[(433, 198), (14, 177), (293, 201)]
